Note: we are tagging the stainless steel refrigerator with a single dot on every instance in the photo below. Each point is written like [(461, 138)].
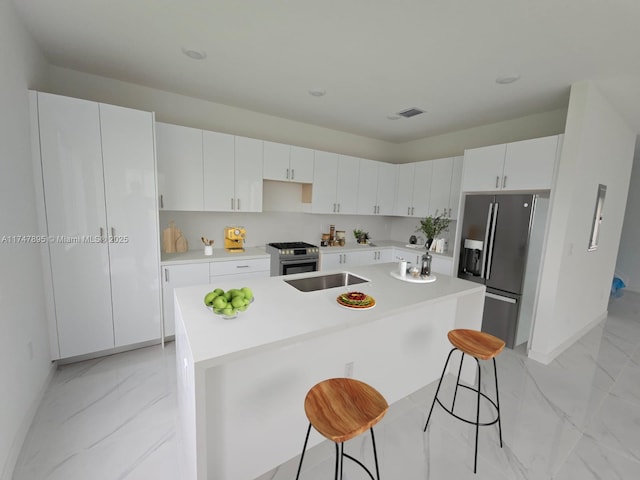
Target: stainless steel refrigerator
[(493, 251)]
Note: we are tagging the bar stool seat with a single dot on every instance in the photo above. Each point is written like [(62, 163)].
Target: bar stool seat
[(480, 346), (341, 409)]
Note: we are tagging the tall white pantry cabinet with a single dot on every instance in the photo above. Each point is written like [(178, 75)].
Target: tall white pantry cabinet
[(99, 193)]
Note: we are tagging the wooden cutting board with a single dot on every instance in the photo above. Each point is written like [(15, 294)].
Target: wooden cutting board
[(181, 243), (169, 238)]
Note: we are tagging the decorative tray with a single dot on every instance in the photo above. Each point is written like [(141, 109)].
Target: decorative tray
[(356, 300), (411, 279)]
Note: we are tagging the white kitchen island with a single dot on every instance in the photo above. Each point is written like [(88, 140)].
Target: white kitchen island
[(242, 382)]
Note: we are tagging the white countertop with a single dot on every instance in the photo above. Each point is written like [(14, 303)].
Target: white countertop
[(219, 255), (282, 315)]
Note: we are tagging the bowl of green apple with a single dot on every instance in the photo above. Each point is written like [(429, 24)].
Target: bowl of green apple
[(230, 303)]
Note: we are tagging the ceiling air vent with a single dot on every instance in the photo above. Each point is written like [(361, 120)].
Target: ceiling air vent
[(410, 112)]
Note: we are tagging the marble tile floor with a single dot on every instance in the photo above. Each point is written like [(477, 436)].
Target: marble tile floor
[(577, 418)]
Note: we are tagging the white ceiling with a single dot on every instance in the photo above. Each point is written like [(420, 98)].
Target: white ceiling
[(373, 57)]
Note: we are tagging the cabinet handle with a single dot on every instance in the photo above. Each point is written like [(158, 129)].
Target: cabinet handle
[(449, 212), (161, 201), (287, 174), (412, 208), (101, 234), (338, 208), (242, 266), (231, 203), (504, 181), (334, 208), (374, 209), (293, 173), (238, 202), (408, 210), (344, 255), (497, 181), (166, 275)]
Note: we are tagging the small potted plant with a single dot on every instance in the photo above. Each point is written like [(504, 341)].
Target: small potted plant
[(432, 226), (361, 236)]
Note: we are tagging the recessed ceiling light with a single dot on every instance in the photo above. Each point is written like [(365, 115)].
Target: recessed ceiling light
[(411, 112), (393, 117), (507, 78), (317, 92), (194, 54)]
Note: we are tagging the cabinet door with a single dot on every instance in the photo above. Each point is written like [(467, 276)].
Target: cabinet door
[(456, 185), (421, 189), (174, 276), (482, 169), (440, 186), (404, 189), (301, 164), (385, 256), (368, 187), (179, 167), (347, 186), (219, 167), (71, 155), (386, 187), (248, 174), (132, 219), (330, 261), (276, 161), (325, 174), (529, 165), (442, 265)]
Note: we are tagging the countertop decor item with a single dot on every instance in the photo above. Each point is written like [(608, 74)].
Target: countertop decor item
[(361, 236), (432, 226)]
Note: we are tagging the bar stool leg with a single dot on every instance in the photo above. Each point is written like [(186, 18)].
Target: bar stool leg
[(438, 389), (339, 461), (495, 372), (455, 392), (375, 453), (475, 457), (303, 450)]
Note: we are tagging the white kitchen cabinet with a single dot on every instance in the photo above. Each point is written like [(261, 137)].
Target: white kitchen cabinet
[(287, 163), (413, 189), (376, 188), (530, 164), (524, 165), (174, 276), (335, 186), (179, 152), (332, 261), (232, 173), (456, 187), (239, 269), (98, 173), (373, 255), (442, 169)]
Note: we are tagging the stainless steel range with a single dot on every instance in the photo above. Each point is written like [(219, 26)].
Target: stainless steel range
[(293, 257)]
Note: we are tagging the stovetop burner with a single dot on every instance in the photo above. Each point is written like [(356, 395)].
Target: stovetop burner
[(289, 245)]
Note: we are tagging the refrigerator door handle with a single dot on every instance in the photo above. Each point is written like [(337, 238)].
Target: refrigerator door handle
[(485, 255), (498, 297), (492, 240)]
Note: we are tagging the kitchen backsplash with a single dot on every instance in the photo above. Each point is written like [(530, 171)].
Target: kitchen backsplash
[(266, 227)]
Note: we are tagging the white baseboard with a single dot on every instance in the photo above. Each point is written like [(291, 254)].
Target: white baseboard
[(547, 357), (21, 434)]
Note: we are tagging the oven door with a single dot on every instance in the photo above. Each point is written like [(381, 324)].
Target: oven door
[(298, 265)]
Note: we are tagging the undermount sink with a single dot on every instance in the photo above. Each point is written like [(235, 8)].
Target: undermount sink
[(323, 282)]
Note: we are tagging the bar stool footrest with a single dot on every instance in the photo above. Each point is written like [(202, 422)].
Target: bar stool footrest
[(472, 422)]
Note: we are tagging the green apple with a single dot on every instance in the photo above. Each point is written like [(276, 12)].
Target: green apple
[(209, 297), (237, 301), (228, 311), (227, 295), (248, 294), (243, 308), (219, 291), (220, 302)]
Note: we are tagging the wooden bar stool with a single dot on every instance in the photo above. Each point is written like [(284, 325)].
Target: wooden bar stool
[(341, 409), (481, 346)]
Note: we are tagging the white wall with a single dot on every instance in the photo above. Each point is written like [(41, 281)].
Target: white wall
[(628, 264), (454, 143), (193, 112), (24, 347), (574, 287)]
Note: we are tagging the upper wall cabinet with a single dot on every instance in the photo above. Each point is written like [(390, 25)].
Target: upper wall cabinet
[(202, 170), (179, 154), (288, 163), (413, 189), (376, 187), (524, 165), (335, 186)]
